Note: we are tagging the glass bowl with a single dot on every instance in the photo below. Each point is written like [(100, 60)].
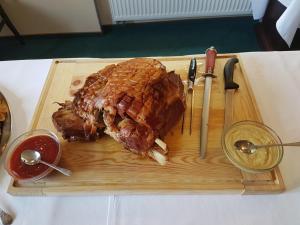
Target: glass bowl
[(262, 160), (43, 141)]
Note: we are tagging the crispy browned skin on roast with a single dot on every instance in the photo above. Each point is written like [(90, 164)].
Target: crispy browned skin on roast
[(137, 100)]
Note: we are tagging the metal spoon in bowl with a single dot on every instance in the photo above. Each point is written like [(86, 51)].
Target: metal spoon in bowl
[(248, 147), (5, 218), (32, 157)]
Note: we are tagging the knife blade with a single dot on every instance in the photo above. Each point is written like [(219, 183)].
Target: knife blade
[(211, 54), (230, 88), (6, 125)]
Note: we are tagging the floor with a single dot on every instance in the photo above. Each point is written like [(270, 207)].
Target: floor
[(140, 39)]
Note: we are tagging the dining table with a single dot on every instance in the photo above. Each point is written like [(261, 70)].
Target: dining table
[(275, 81)]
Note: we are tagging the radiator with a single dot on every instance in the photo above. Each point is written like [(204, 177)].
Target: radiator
[(134, 10)]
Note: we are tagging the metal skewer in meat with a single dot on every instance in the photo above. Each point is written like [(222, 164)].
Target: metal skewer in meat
[(136, 102), (190, 91)]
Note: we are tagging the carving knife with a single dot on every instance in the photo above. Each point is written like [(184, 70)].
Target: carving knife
[(190, 91), (191, 80), (211, 54), (230, 88)]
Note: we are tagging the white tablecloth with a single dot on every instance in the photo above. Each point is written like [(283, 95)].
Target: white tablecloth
[(289, 21), (275, 79)]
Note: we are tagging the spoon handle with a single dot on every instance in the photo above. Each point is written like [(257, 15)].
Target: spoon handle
[(274, 145), (5, 218), (62, 170)]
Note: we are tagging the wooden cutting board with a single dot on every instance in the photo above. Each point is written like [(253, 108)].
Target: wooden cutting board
[(103, 167)]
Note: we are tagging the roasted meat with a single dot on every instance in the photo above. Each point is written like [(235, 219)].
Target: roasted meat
[(73, 127), (135, 102)]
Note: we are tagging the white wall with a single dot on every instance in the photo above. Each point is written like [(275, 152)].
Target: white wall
[(51, 16), (104, 12)]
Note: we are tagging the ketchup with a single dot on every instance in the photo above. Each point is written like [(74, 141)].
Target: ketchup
[(48, 148)]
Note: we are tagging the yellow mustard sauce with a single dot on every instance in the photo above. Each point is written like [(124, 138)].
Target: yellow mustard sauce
[(261, 159)]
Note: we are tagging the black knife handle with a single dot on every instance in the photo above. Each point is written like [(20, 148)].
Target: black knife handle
[(192, 73), (228, 74)]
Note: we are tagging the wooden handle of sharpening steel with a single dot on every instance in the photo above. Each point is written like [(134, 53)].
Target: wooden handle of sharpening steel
[(211, 54)]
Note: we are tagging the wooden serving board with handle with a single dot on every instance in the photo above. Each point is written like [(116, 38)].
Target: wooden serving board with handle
[(104, 167)]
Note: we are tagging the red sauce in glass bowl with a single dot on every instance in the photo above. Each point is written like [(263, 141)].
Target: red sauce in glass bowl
[(48, 148)]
